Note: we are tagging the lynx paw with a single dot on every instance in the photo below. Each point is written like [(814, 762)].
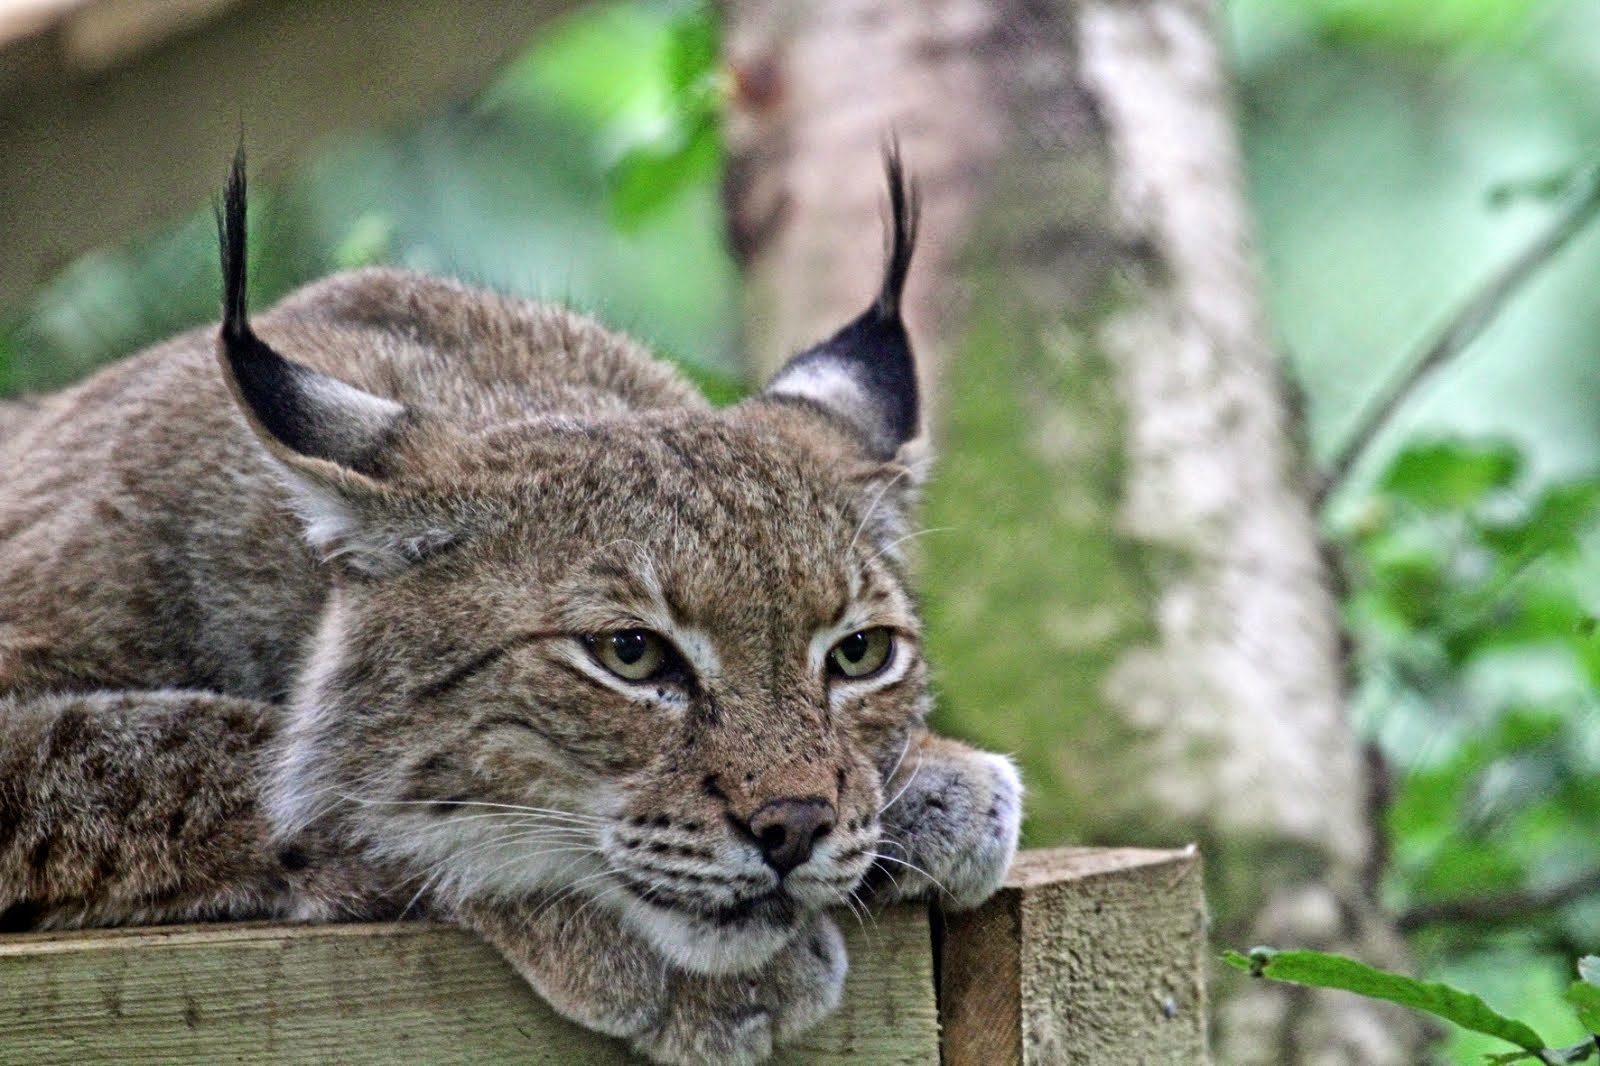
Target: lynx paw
[(729, 1020), (952, 831)]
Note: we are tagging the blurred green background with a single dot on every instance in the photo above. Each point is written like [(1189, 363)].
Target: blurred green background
[(1397, 151)]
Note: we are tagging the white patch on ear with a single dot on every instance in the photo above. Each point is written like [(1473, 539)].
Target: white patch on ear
[(328, 518), (338, 532), (829, 384), (356, 409), (822, 381)]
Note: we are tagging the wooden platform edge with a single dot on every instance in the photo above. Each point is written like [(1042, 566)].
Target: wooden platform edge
[(380, 994), (1086, 955)]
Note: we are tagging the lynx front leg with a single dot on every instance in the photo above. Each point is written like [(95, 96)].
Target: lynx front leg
[(950, 823), (591, 969), (124, 807)]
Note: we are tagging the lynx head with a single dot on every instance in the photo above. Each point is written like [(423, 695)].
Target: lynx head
[(660, 655)]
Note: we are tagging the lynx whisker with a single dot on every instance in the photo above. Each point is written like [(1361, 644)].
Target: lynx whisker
[(513, 836), (893, 880), (873, 507), (532, 855), (437, 871), (914, 868), (569, 890), (587, 819), (604, 894), (427, 883), (874, 927), (592, 900), (853, 906), (904, 750), (896, 797), (887, 548), (516, 818)]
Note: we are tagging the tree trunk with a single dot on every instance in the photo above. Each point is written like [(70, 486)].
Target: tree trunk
[(1126, 587)]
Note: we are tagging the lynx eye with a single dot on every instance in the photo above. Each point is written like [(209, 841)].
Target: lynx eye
[(631, 654), (861, 654)]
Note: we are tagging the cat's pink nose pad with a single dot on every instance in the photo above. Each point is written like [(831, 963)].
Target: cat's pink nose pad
[(787, 829)]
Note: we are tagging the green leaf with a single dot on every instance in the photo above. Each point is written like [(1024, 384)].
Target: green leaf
[(602, 65), (1423, 24), (1585, 999), (1451, 474), (651, 175), (1553, 524), (692, 49), (1584, 993), (1322, 970), (1564, 1056)]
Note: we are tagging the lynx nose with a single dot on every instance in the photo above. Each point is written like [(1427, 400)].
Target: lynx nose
[(787, 829)]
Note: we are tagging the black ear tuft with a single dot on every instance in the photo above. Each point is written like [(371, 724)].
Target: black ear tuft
[(865, 375), (231, 240), (303, 412), (905, 211)]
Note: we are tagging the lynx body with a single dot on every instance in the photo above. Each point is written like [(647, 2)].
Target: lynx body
[(429, 600)]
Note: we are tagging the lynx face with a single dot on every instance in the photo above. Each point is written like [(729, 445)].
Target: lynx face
[(647, 694), (662, 659)]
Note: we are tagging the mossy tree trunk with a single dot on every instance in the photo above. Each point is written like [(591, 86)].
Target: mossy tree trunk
[(1126, 586)]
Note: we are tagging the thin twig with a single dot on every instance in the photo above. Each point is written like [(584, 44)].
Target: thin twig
[(1505, 908), (1460, 331)]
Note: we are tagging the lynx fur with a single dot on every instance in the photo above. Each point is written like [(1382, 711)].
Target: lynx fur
[(309, 617)]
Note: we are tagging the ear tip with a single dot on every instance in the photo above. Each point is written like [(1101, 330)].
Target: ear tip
[(231, 242), (905, 213)]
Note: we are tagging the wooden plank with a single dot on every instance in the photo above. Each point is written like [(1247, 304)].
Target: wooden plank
[(1087, 956), (379, 994), (105, 132)]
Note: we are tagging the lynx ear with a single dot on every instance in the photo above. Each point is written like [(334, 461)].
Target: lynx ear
[(300, 413), (331, 438), (864, 375)]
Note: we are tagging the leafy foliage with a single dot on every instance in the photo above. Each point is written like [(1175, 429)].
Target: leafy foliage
[(1480, 669), (1470, 605), (654, 91), (687, 146)]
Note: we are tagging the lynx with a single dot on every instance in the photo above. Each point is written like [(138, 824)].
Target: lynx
[(436, 602)]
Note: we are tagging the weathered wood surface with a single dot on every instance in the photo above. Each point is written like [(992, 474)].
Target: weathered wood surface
[(118, 114), (1087, 956), (380, 994)]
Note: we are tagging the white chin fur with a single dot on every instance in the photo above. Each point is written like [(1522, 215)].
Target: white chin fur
[(699, 947)]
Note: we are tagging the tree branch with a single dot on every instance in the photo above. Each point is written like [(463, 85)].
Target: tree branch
[(1505, 908), (1460, 331)]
